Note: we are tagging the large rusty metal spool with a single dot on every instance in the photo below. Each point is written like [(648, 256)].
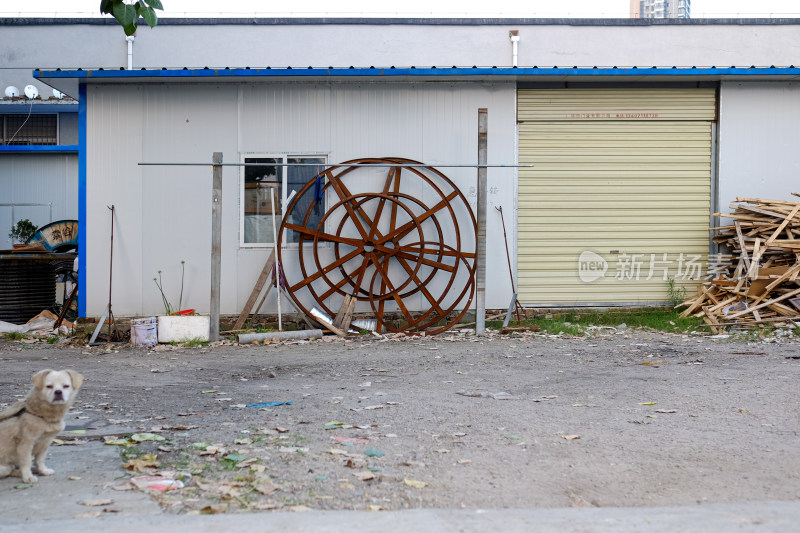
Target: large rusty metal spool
[(408, 243)]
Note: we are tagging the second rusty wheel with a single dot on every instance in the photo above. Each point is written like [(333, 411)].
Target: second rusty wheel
[(406, 246)]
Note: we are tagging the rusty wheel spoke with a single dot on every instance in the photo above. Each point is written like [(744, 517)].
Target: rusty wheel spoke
[(345, 198), (336, 287), (425, 292), (317, 275), (403, 230), (413, 256), (324, 237)]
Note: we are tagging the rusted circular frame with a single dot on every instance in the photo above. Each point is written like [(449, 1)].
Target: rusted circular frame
[(411, 322), (393, 175), (382, 245), (379, 257), (353, 203), (423, 322)]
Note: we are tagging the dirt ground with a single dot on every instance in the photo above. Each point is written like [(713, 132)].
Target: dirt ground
[(619, 418)]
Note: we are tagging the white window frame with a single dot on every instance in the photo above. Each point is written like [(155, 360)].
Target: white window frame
[(282, 157)]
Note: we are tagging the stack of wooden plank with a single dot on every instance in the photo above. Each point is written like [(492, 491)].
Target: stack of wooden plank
[(756, 277)]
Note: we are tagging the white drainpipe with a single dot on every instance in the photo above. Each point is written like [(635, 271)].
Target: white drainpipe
[(130, 51), (514, 35)]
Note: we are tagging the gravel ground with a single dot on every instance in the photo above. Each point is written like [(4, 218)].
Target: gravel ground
[(620, 418)]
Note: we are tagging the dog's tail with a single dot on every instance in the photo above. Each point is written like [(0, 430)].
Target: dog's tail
[(13, 410)]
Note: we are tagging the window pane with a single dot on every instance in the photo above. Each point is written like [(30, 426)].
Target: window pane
[(296, 178), (257, 204)]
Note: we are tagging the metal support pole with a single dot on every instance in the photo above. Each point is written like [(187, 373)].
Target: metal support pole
[(216, 245), (480, 260)]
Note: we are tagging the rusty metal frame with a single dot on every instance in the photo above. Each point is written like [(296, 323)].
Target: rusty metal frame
[(378, 265)]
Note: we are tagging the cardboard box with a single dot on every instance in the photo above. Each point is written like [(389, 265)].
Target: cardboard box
[(257, 199)]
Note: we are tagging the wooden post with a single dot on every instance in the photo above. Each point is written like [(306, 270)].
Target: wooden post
[(216, 245), (480, 260)]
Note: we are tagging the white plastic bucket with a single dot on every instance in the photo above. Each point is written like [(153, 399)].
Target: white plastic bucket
[(144, 331)]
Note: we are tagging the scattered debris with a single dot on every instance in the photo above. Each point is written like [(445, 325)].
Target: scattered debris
[(755, 283), (483, 394), (267, 404)]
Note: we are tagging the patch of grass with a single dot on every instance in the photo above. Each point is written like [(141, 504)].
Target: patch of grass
[(676, 294), (577, 322), (52, 340), (14, 335), (131, 452), (190, 343), (183, 462)]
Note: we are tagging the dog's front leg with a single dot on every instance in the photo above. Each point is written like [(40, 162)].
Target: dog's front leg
[(40, 451), (24, 461)]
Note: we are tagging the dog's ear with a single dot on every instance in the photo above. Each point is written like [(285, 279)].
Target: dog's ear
[(39, 377), (77, 379)]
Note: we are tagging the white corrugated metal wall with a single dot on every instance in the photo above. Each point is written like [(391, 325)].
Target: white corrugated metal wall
[(758, 141), (164, 212), (49, 179)]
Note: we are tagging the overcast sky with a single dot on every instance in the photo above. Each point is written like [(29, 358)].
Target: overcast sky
[(454, 8)]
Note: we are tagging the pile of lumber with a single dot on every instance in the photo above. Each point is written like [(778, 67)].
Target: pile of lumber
[(756, 277)]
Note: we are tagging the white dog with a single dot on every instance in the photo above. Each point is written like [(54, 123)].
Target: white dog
[(28, 427)]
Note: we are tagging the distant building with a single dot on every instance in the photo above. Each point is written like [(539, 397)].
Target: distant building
[(661, 9)]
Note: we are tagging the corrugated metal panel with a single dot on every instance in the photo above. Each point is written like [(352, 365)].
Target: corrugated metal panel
[(616, 104), (758, 158), (624, 192), (163, 213)]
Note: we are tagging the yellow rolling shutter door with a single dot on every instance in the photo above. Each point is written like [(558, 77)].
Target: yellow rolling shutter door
[(619, 195)]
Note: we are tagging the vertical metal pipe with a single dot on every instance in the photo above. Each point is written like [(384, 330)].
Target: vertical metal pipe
[(111, 263), (480, 261), (514, 35), (277, 279), (216, 245), (129, 40)]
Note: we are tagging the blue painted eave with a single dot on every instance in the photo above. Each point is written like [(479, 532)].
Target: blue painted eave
[(434, 72), (38, 149)]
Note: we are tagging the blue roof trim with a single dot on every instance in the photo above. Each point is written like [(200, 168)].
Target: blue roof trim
[(174, 74), (38, 107), (50, 148)]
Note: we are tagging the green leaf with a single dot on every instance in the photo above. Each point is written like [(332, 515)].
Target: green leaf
[(130, 29), (155, 4), (127, 17), (106, 6), (148, 15), (124, 13)]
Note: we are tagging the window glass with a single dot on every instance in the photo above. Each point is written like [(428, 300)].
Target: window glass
[(259, 182), (283, 175), (308, 204)]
